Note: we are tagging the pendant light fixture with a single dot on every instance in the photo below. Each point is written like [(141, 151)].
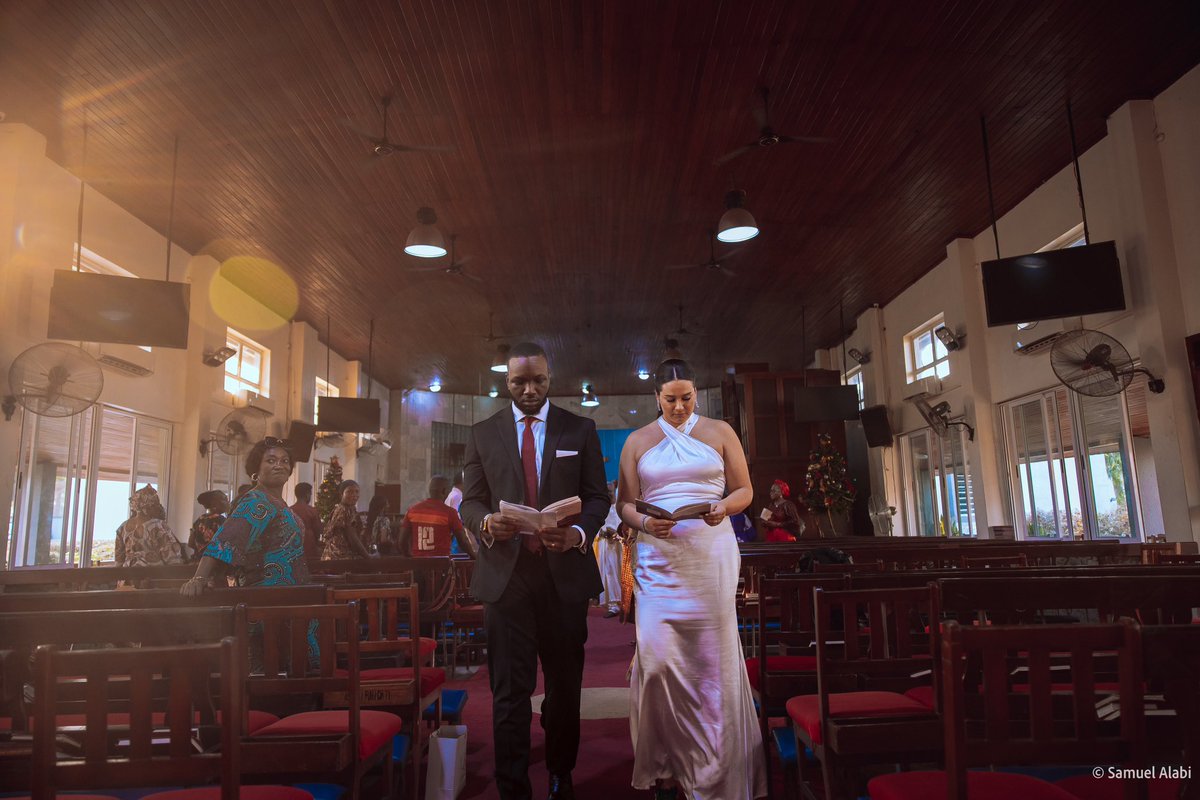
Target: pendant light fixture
[(493, 392), (643, 374), (426, 241), (500, 360), (435, 385), (589, 397), (737, 224)]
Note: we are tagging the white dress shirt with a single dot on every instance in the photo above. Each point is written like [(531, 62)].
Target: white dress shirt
[(454, 499)]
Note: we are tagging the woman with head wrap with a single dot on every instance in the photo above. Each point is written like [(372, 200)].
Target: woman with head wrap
[(145, 539), (261, 539), (781, 519), (216, 506), (344, 536)]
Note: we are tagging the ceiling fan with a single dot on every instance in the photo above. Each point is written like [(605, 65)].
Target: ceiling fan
[(682, 330), (767, 137), (453, 268), (381, 146), (715, 264), (492, 336)]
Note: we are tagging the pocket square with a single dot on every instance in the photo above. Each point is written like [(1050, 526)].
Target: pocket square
[(565, 453)]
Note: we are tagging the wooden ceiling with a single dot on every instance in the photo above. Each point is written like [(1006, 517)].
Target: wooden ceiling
[(582, 138)]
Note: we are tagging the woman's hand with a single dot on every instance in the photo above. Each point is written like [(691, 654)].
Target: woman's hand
[(715, 516), (659, 528), (194, 586)]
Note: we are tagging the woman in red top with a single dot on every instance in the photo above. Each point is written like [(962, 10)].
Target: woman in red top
[(784, 524)]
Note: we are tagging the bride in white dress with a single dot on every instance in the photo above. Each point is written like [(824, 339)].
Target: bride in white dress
[(692, 716)]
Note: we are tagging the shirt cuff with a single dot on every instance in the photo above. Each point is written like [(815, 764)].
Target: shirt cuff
[(582, 546)]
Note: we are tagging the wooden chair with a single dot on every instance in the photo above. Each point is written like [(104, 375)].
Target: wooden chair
[(994, 562), (854, 568), (785, 662), (331, 736), (145, 751), (392, 616), (465, 617), (876, 639), (986, 723)]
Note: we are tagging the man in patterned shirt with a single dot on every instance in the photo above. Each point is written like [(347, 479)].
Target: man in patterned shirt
[(430, 524)]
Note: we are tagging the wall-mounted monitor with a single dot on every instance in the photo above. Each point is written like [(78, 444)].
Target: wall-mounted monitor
[(90, 307), (348, 414), (1057, 283), (825, 403)]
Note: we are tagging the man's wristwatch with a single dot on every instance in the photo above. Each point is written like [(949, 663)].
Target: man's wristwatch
[(483, 526)]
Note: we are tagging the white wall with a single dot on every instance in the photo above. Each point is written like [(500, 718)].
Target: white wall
[(1134, 180), (39, 212)]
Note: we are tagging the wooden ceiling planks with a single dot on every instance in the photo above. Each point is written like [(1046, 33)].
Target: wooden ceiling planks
[(583, 139)]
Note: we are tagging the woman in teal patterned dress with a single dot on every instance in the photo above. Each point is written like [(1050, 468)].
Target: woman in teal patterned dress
[(261, 540)]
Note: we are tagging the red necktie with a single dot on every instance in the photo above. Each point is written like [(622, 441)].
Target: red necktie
[(529, 463)]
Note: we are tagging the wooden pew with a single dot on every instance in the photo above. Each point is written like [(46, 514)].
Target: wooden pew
[(252, 596)]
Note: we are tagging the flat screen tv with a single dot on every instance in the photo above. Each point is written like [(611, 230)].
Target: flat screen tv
[(825, 403), (1057, 283), (348, 414), (90, 307)]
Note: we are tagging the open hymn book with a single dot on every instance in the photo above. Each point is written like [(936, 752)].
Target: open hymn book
[(552, 516), (691, 511)]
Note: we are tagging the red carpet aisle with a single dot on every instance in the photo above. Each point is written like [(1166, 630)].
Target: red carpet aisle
[(605, 753)]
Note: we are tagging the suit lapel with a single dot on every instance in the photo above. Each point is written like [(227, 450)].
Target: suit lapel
[(508, 437), (555, 422)]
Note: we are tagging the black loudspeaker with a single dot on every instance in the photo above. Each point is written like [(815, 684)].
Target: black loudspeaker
[(876, 426), (300, 437)]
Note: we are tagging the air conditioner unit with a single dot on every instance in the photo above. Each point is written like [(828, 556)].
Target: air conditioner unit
[(259, 403), (128, 359), (1039, 345), (923, 386)]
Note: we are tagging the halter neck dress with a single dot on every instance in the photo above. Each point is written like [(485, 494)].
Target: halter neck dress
[(692, 715)]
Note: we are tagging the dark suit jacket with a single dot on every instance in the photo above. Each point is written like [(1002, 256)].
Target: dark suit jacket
[(493, 473)]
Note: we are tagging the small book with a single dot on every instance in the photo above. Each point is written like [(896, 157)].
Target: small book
[(693, 511), (765, 516), (552, 516)]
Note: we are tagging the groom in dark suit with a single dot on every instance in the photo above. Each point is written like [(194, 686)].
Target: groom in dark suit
[(535, 588)]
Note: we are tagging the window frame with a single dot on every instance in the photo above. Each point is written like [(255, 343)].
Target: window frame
[(914, 369), (856, 379), (935, 448), (323, 388), (240, 342)]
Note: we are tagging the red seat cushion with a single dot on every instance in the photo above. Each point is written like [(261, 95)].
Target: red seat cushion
[(780, 664), (805, 711), (923, 695), (376, 727), (75, 797), (980, 786), (1086, 787), (431, 677), (427, 647), (244, 793)]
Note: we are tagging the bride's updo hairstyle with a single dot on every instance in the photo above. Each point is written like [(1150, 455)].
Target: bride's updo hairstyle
[(673, 369)]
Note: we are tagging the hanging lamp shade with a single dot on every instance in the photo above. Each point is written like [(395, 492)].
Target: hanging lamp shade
[(737, 224), (493, 392), (589, 397), (425, 240), (500, 360), (435, 385)]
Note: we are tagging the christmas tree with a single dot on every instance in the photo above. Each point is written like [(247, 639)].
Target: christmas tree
[(328, 496), (828, 487)]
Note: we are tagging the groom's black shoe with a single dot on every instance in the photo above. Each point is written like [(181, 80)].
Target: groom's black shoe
[(561, 788)]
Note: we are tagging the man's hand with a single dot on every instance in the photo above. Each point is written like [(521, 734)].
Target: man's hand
[(559, 540), (502, 528)]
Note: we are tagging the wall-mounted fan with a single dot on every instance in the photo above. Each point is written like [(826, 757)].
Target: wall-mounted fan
[(881, 515), (1096, 364), (938, 417), (373, 444), (55, 379), (238, 431)]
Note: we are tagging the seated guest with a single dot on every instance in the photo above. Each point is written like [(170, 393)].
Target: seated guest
[(261, 539), (781, 518), (429, 525), (379, 526), (216, 506), (145, 539), (344, 536), (314, 529)]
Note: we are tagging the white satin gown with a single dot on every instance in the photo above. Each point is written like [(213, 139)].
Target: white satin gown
[(692, 714)]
